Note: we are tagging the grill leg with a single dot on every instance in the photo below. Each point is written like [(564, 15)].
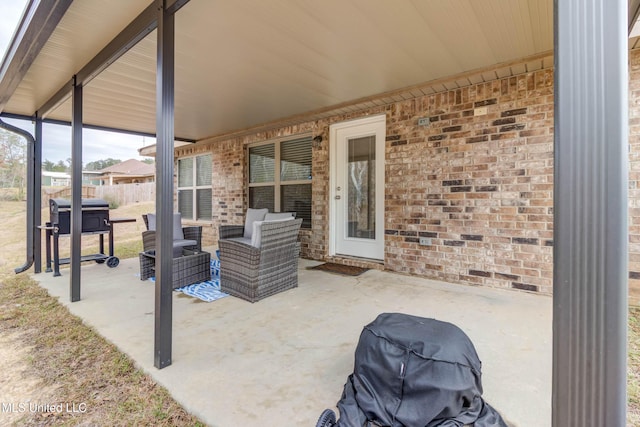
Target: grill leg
[(48, 248), (110, 239), (102, 244), (56, 253)]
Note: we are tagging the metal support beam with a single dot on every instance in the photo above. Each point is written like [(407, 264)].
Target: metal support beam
[(590, 213), (35, 28), (173, 6), (90, 126), (37, 196), (76, 191), (164, 186)]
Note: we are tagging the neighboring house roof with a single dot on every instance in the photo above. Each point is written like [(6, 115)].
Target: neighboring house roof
[(129, 167)]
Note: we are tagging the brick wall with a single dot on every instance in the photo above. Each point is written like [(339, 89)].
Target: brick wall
[(478, 184)]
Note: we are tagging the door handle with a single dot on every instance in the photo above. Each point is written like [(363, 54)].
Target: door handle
[(337, 197)]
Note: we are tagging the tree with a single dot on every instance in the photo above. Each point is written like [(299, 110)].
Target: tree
[(13, 162), (48, 165), (61, 166), (101, 164)]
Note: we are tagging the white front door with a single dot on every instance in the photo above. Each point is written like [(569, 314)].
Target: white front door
[(357, 187)]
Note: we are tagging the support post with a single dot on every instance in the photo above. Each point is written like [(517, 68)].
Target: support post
[(37, 196), (76, 190), (590, 213), (164, 186)]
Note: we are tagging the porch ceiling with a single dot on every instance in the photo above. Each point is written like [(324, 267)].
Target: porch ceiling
[(244, 63)]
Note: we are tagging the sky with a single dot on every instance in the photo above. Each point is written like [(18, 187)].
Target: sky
[(56, 145)]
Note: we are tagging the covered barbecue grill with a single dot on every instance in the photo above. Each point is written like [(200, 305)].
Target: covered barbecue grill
[(413, 371), (95, 220)]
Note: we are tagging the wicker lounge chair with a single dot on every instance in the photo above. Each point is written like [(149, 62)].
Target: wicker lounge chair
[(189, 237), (263, 264)]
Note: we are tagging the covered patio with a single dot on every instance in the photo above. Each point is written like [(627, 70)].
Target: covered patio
[(225, 75), (283, 360)]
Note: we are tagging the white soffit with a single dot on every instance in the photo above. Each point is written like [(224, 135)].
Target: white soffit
[(243, 63), (87, 26)]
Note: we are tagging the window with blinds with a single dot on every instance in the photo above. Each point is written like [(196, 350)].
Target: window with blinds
[(280, 177), (295, 160), (194, 187)]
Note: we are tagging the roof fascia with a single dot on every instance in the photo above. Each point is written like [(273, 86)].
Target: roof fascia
[(36, 26), (137, 30)]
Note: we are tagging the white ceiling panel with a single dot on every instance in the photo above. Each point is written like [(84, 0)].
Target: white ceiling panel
[(85, 29), (243, 63)]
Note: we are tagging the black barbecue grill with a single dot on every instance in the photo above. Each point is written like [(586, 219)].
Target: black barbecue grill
[(95, 215), (95, 220)]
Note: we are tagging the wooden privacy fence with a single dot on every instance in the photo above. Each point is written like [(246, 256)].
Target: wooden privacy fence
[(48, 193), (127, 194), (122, 194)]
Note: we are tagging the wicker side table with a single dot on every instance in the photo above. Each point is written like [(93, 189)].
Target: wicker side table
[(191, 267)]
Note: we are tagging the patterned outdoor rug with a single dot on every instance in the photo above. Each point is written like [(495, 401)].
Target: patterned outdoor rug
[(206, 291), (346, 270)]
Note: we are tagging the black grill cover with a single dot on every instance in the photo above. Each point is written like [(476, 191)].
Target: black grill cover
[(415, 372)]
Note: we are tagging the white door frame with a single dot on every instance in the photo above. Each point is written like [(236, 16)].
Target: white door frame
[(371, 125)]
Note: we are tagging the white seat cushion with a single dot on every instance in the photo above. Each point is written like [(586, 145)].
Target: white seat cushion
[(151, 220), (241, 240), (177, 225), (252, 216), (273, 216), (181, 243)]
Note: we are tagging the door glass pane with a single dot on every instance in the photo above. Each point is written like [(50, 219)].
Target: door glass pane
[(361, 190)]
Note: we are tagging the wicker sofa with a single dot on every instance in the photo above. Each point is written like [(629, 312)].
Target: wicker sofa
[(255, 268), (189, 237)]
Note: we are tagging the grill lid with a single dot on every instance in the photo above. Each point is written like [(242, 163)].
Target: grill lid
[(65, 204)]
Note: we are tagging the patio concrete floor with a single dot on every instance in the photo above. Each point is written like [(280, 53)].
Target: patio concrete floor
[(283, 360)]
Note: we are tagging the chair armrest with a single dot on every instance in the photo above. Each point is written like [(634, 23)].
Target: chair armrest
[(190, 233), (193, 232), (234, 253), (230, 231), (148, 240), (280, 241)]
